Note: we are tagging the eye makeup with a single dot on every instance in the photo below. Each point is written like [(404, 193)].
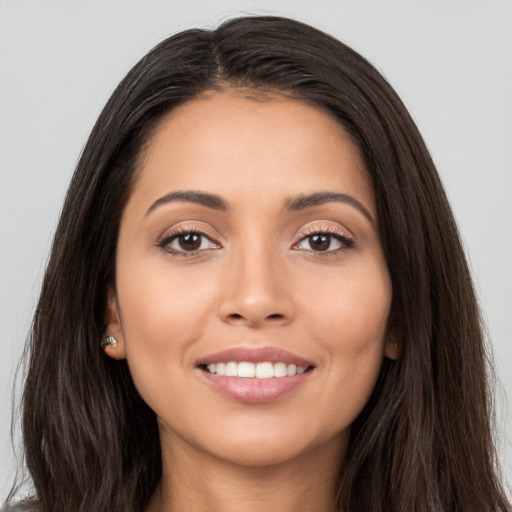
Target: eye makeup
[(187, 240), (327, 238), (323, 239)]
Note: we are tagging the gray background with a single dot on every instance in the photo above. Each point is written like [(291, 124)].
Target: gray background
[(450, 60)]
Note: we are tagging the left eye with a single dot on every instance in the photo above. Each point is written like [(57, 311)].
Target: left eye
[(321, 242), (188, 242)]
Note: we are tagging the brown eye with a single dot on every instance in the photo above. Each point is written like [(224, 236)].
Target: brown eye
[(189, 242), (324, 242), (319, 242)]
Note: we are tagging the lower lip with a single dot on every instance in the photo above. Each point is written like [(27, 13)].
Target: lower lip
[(255, 391)]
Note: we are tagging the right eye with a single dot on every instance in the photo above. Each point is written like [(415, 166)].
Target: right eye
[(187, 243)]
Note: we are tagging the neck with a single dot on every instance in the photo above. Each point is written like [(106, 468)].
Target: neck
[(196, 482)]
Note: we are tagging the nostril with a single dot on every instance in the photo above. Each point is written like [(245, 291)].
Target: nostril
[(237, 318)]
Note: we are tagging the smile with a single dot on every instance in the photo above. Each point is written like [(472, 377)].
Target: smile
[(255, 375), (247, 370)]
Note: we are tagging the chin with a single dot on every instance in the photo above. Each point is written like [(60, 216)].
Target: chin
[(271, 447)]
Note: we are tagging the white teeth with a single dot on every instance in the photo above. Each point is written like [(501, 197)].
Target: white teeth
[(279, 370), (265, 370), (291, 369), (231, 369), (246, 370)]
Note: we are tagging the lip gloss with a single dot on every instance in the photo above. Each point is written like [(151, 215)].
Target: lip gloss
[(252, 389)]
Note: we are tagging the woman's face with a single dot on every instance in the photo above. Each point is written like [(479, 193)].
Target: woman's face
[(252, 294)]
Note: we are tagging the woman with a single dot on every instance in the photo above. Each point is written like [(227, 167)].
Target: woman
[(257, 296)]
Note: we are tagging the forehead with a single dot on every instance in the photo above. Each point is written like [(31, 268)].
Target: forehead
[(250, 146)]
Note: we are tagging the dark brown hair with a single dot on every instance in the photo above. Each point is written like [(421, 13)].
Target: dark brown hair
[(424, 440)]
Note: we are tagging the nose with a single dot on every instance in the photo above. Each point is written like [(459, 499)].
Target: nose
[(256, 290)]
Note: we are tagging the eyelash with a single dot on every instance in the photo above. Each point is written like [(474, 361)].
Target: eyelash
[(332, 233), (175, 234), (178, 232)]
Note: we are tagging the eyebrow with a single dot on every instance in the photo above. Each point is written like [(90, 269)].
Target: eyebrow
[(302, 202), (319, 198), (191, 196)]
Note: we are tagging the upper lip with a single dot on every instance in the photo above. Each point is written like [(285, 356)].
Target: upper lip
[(254, 355)]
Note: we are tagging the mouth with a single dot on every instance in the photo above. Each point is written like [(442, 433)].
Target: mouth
[(255, 375), (248, 370)]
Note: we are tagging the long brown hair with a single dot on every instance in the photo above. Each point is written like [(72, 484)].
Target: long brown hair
[(424, 440)]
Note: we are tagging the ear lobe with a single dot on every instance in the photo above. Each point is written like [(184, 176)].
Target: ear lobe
[(113, 327), (392, 351)]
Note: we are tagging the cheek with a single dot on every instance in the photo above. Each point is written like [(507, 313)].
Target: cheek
[(349, 321), (162, 313), (155, 295), (349, 309)]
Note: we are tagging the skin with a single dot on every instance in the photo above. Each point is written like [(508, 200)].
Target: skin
[(258, 280)]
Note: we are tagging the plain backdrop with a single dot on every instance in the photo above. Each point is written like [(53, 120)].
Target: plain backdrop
[(450, 60)]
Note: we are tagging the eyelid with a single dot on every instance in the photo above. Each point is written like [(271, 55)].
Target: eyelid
[(328, 228), (189, 226), (185, 228)]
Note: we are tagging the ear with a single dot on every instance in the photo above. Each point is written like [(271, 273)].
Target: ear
[(392, 349), (114, 327)]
